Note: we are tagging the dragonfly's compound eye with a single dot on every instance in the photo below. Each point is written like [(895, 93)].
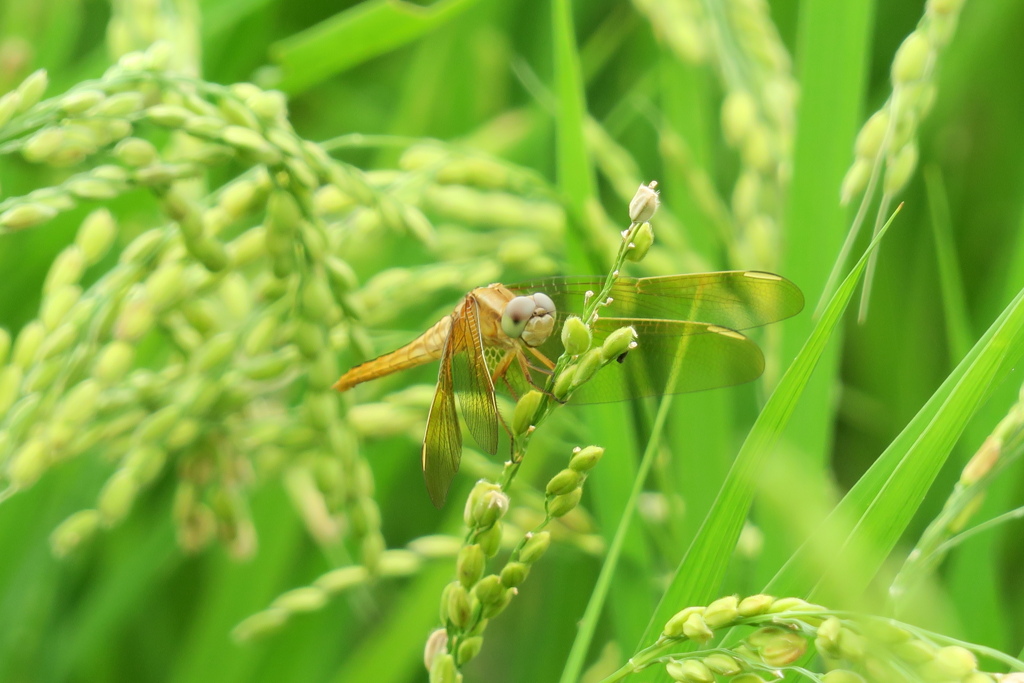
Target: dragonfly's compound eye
[(517, 313), (544, 302), (540, 325)]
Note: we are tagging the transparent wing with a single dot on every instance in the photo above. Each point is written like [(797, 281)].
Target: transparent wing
[(738, 299), (472, 379), (671, 357), (442, 443)]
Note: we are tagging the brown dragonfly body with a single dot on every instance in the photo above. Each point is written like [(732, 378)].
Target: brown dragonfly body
[(686, 341), (490, 303)]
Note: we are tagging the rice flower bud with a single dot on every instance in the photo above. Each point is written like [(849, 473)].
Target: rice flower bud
[(74, 531), (205, 127), (26, 216), (317, 300), (27, 344), (168, 115), (493, 609), (32, 88), (135, 152), (268, 105), (136, 318), (562, 505), (239, 198), (755, 605), (722, 612), (525, 410), (490, 508), (855, 180), (67, 269), (475, 496), (915, 651), (514, 573), (746, 678), (827, 639), (644, 203), (469, 648), (252, 142), (342, 579), (564, 382), (489, 589), (689, 671), (982, 462), (79, 405), (842, 676), (57, 304), (443, 670), (979, 677), (113, 361), (793, 605), (746, 195), (78, 102), (158, 424), (777, 646), (9, 104), (674, 626), (470, 565), (236, 112), (117, 497), (852, 646), (145, 462), (535, 547), (10, 384), (28, 463), (305, 599), (758, 151), (260, 624), (437, 644), (459, 609), (871, 135), (564, 482), (739, 116), (587, 366), (164, 286), (618, 342), (121, 104), (911, 59), (643, 238), (722, 664), (950, 663), (584, 459), (575, 336), (900, 168), (93, 188), (96, 235), (696, 629)]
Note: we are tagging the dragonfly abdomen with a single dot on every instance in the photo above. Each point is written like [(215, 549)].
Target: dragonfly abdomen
[(423, 349)]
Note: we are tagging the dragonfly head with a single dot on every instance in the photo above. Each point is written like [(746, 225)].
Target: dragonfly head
[(530, 318)]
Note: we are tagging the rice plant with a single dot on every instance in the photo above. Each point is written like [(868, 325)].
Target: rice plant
[(211, 211)]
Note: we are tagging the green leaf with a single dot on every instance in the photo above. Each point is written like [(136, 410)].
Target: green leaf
[(354, 36), (700, 573)]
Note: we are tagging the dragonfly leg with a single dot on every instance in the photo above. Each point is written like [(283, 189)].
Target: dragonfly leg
[(543, 359), (502, 367)]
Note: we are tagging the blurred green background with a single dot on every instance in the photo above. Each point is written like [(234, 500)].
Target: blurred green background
[(482, 74)]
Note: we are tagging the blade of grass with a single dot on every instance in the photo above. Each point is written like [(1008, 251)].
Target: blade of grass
[(954, 301), (886, 497), (588, 625), (700, 573), (834, 42), (354, 36), (631, 601)]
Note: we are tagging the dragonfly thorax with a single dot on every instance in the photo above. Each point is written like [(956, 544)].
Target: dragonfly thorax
[(529, 318)]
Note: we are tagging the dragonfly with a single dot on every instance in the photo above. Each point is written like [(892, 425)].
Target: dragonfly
[(688, 338)]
